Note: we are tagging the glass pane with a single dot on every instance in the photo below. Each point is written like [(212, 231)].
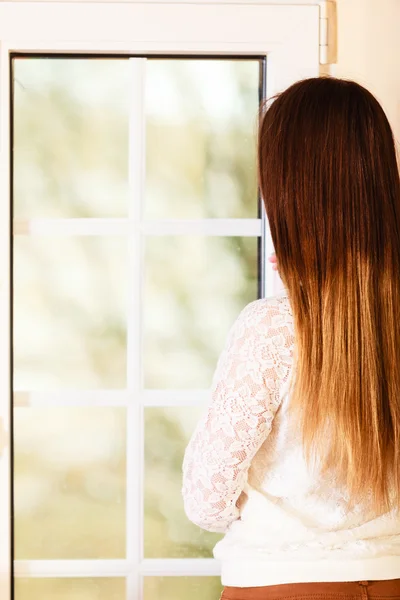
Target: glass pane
[(102, 588), (182, 588), (70, 137), (167, 531), (69, 312), (69, 482), (195, 288), (201, 138)]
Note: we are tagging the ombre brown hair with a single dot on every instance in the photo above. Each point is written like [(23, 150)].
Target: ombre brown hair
[(330, 183)]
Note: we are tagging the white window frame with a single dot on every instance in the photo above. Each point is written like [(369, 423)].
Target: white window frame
[(289, 37)]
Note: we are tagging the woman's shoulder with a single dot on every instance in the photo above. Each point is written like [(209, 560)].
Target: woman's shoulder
[(270, 311), (266, 319)]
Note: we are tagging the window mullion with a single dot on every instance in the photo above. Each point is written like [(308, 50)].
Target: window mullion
[(151, 227), (112, 398), (151, 567), (134, 474)]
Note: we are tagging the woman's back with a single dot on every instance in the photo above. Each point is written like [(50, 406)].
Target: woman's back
[(290, 524)]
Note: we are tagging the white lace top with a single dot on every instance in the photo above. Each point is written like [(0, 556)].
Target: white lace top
[(244, 474)]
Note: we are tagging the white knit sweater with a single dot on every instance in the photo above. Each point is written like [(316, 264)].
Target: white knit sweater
[(244, 474)]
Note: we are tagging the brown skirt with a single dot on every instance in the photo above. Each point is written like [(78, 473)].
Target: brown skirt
[(357, 590)]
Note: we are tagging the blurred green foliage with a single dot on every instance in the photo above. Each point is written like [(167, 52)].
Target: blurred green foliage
[(176, 588), (101, 588), (71, 160)]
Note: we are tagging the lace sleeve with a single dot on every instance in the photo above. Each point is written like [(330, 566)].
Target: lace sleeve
[(245, 398)]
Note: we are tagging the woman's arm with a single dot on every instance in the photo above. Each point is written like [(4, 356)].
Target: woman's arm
[(245, 398)]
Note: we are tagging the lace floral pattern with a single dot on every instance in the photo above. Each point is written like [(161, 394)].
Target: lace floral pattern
[(245, 396)]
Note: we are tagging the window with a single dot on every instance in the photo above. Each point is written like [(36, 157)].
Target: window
[(137, 237)]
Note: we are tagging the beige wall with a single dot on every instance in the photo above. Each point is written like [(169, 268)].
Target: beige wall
[(369, 50)]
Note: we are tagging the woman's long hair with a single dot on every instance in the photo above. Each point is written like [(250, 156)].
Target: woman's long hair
[(330, 184)]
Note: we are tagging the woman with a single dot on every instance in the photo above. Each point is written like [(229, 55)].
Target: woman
[(297, 458)]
